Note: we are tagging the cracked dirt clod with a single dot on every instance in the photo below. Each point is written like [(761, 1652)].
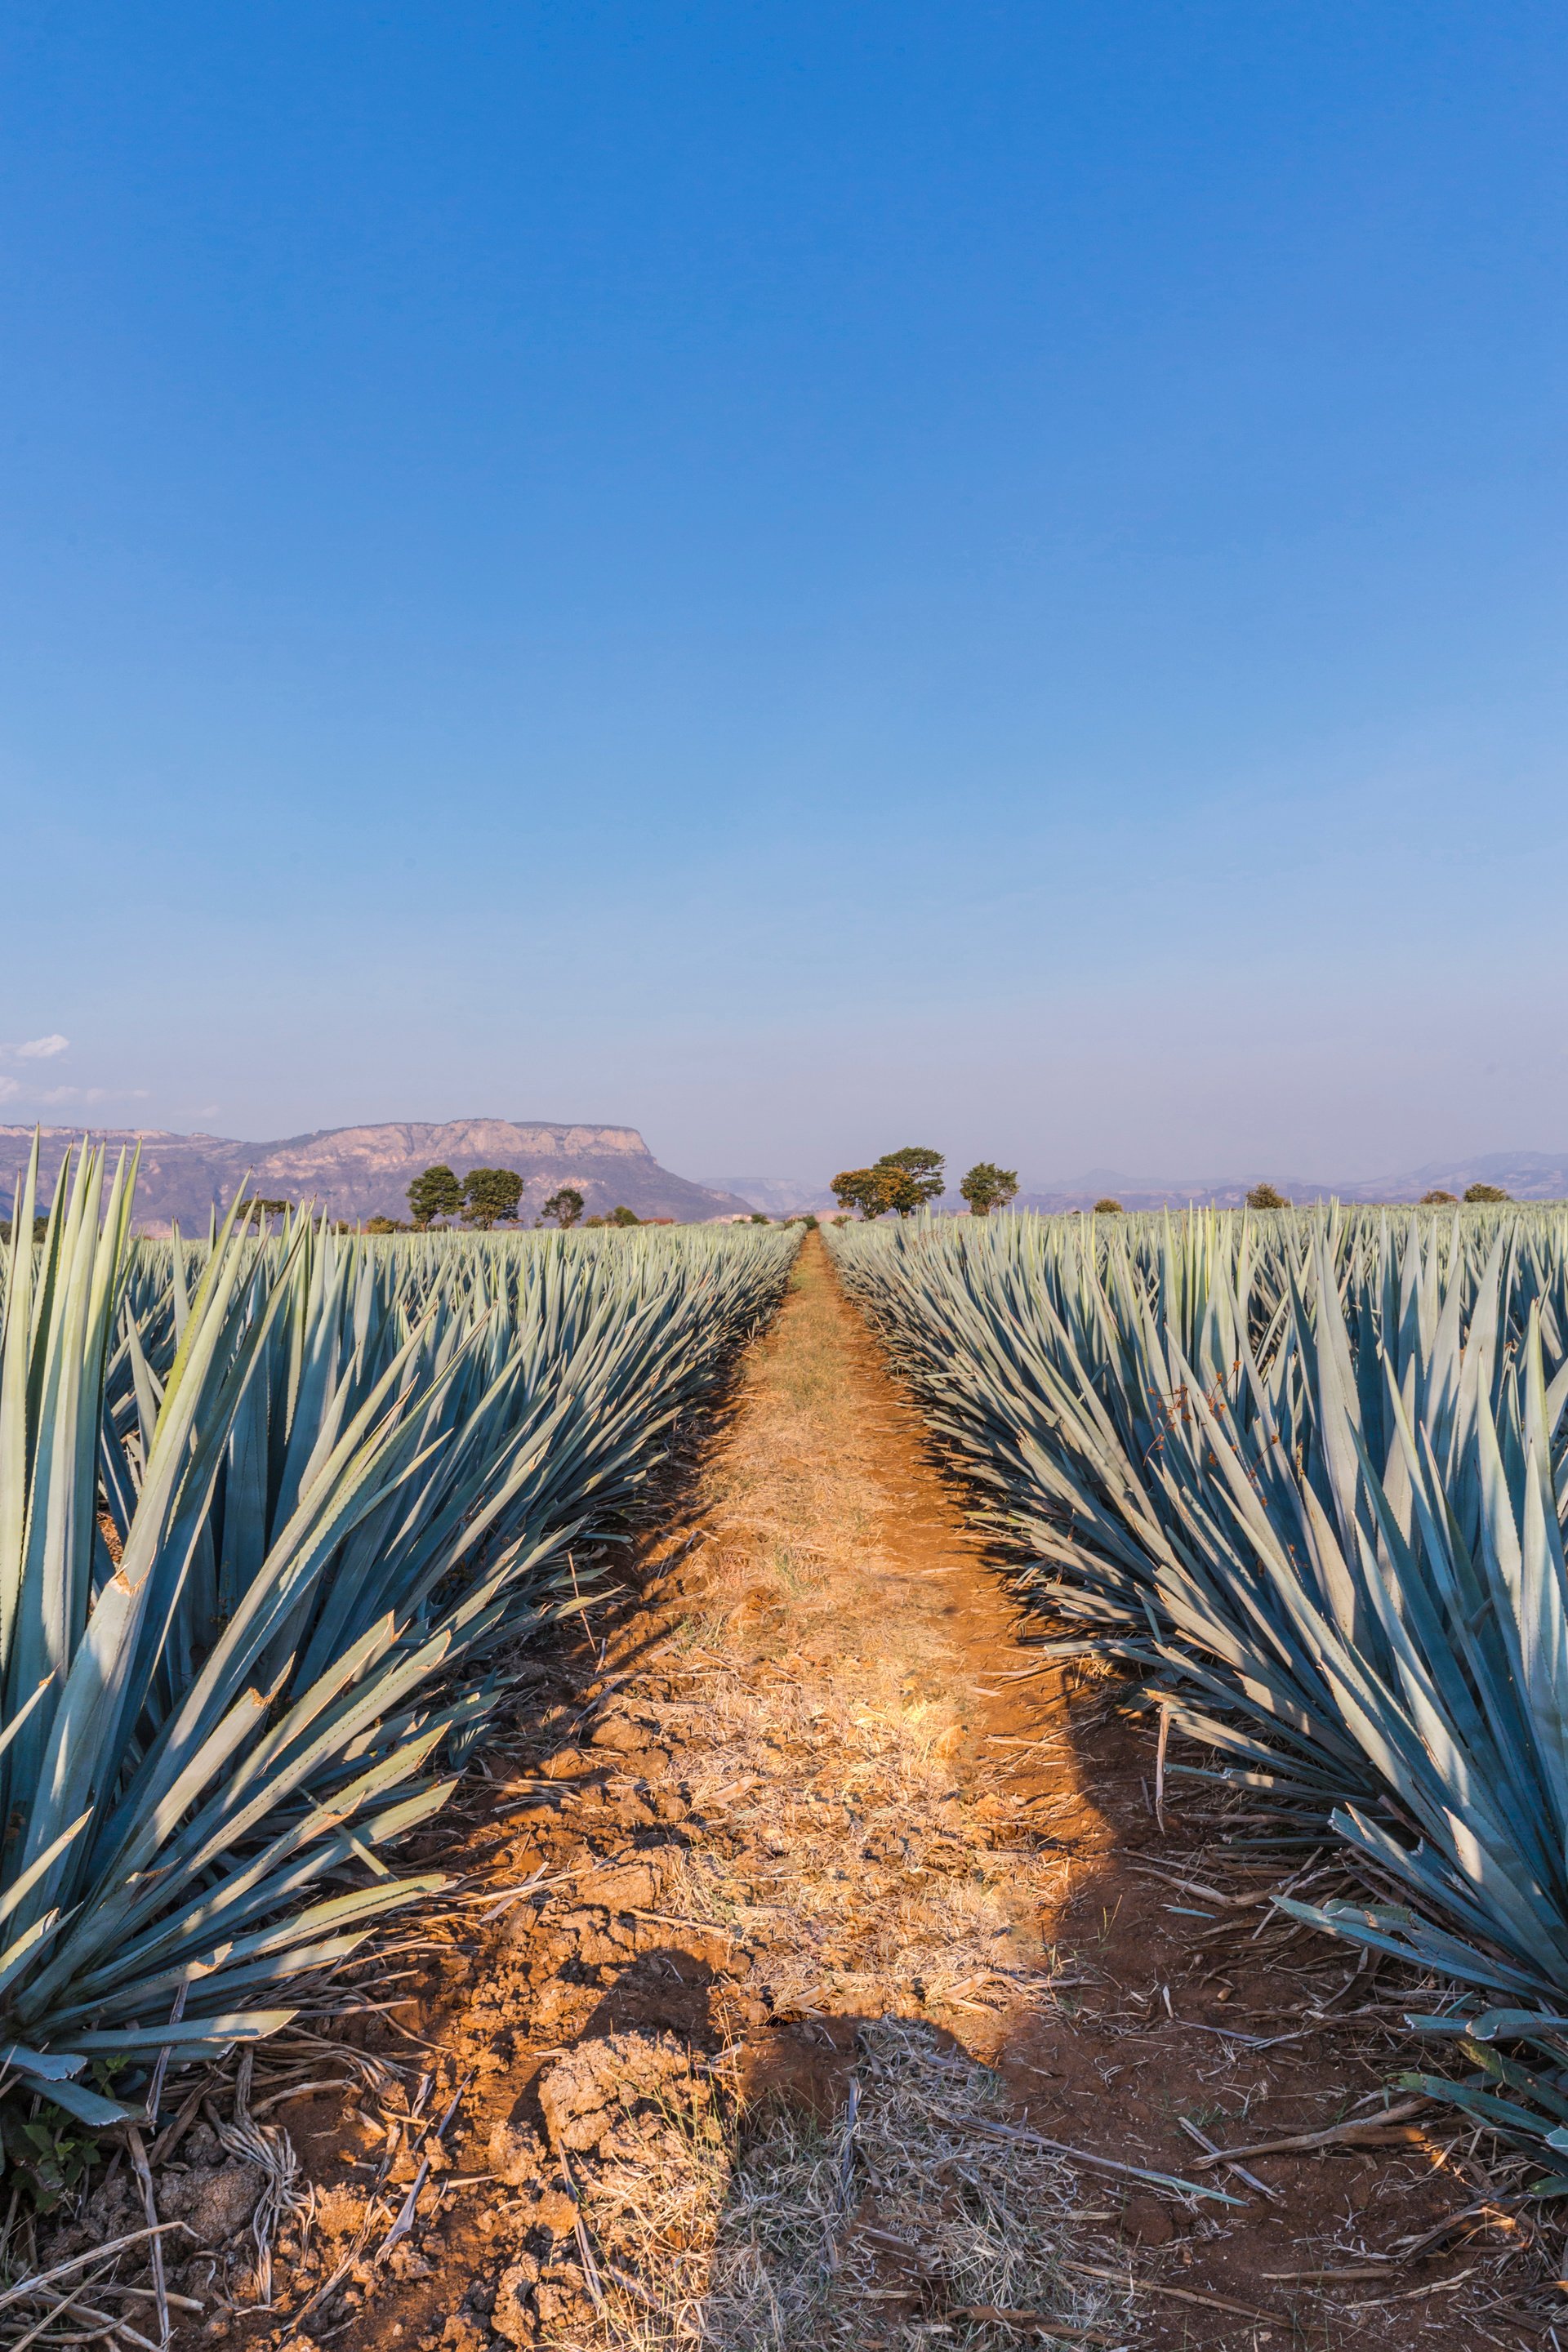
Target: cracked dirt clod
[(608, 2095), (516, 2152), (794, 1838)]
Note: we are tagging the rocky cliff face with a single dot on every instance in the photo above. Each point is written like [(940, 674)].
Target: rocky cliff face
[(365, 1171)]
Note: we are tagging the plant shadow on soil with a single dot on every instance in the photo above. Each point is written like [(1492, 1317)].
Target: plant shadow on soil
[(785, 1912)]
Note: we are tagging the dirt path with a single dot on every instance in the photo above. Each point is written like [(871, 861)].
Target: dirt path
[(802, 1906)]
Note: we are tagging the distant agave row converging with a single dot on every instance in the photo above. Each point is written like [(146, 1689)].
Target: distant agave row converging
[(1310, 1472), (273, 1512)]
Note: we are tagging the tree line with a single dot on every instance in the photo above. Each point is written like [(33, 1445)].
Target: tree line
[(902, 1181), (898, 1184), (910, 1178), (487, 1197)]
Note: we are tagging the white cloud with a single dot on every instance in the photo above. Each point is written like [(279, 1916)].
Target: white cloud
[(89, 1094), (39, 1049), (8, 1087)]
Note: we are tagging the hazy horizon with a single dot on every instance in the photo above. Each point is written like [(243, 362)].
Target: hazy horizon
[(800, 582), (809, 1181)]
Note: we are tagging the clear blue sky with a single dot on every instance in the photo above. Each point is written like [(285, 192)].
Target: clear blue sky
[(802, 576)]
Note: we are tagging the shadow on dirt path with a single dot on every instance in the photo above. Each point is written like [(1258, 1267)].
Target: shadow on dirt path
[(814, 1923)]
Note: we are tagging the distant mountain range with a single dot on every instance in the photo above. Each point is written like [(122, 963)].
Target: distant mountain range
[(1523, 1175), (778, 1196), (355, 1172)]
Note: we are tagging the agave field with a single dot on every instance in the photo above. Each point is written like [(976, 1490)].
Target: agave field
[(275, 1512), (1308, 1473)]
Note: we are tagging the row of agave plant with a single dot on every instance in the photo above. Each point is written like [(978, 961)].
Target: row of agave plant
[(1308, 1473), (274, 1514)]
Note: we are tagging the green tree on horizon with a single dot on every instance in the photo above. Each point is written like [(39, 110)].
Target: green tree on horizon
[(923, 1167), (490, 1196), (871, 1190), (257, 1207), (435, 1193), (564, 1208), (988, 1187), (903, 1180)]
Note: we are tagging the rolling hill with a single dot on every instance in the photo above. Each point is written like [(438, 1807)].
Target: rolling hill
[(364, 1171), (1523, 1175)]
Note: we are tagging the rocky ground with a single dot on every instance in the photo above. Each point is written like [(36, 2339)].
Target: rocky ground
[(820, 1974)]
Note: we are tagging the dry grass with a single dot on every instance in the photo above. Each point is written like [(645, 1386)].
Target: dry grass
[(842, 1848), (815, 1699), (894, 2226), (852, 1857), (833, 1705)]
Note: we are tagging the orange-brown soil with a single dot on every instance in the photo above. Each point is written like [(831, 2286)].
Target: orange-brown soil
[(807, 1920)]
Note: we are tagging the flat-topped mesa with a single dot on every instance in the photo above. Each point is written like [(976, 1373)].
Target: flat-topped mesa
[(355, 1172)]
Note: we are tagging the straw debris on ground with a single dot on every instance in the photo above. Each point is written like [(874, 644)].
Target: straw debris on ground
[(821, 1975)]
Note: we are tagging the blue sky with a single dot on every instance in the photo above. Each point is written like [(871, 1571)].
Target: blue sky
[(802, 577)]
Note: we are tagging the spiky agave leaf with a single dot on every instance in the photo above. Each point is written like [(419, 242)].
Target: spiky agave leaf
[(334, 1479), (1342, 1545)]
